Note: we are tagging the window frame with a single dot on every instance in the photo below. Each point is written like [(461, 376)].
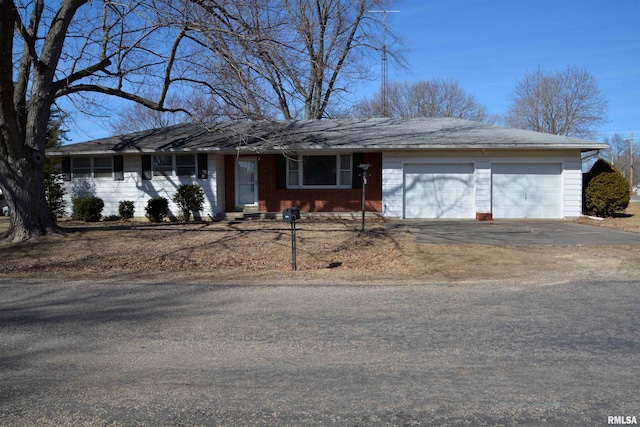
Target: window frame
[(193, 165), (166, 171), (198, 166), (102, 169), (299, 172), (75, 168)]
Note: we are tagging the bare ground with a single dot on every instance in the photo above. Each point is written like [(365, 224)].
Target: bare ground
[(329, 251)]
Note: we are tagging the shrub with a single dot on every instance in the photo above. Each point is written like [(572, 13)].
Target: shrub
[(189, 198), (87, 209), (606, 190), (126, 209), (111, 218), (157, 209)]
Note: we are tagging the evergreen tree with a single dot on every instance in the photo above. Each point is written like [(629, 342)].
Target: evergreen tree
[(53, 179), (606, 191)]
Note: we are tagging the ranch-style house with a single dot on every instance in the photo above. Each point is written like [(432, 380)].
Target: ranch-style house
[(419, 168)]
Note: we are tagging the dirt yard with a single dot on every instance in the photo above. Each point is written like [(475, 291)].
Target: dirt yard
[(328, 251)]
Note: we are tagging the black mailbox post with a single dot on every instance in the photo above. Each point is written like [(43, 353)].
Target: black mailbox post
[(291, 215)]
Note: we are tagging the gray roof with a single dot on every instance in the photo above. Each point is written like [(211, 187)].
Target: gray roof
[(312, 135)]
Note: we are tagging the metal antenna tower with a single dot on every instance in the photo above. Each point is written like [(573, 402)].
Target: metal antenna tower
[(385, 63)]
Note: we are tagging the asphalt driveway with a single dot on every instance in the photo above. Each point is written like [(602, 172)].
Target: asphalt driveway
[(505, 233)]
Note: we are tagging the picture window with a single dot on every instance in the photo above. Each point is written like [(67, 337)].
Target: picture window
[(320, 171)]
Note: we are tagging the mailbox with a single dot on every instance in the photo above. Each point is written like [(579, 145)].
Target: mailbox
[(291, 214)]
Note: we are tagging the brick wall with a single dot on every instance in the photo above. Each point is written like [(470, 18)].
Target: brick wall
[(272, 199), (229, 182)]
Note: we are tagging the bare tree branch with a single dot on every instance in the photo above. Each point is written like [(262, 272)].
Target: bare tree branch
[(429, 98), (565, 103)]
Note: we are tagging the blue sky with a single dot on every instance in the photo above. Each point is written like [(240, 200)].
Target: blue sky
[(489, 45)]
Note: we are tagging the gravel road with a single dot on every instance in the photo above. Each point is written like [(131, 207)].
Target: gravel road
[(493, 353)]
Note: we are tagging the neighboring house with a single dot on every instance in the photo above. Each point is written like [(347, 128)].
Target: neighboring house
[(420, 168)]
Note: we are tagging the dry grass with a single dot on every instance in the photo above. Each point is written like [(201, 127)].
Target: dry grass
[(329, 251), (629, 220), (216, 250)]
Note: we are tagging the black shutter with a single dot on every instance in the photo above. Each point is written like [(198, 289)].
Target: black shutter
[(203, 166), (66, 168), (146, 167), (118, 168), (356, 173), (281, 172)]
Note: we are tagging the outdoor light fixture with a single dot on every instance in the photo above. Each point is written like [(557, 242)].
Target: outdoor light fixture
[(364, 167)]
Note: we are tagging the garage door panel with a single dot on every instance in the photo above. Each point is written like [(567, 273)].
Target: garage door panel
[(531, 190), (439, 191)]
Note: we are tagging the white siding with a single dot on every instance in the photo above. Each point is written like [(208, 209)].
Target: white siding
[(392, 187), (134, 188), (483, 186), (393, 164), (572, 176)]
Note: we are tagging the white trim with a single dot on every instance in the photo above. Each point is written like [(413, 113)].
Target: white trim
[(300, 186), (237, 183)]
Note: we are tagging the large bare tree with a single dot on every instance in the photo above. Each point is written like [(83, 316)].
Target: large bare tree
[(286, 59), (427, 98), (567, 103), (257, 58), (50, 50)]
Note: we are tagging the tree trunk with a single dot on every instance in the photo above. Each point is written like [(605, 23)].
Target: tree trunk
[(23, 188)]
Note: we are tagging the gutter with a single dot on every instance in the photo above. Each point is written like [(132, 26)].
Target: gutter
[(350, 147)]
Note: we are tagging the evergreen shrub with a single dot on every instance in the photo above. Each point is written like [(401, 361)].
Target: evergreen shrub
[(157, 208), (88, 209), (126, 209), (189, 198), (606, 191)]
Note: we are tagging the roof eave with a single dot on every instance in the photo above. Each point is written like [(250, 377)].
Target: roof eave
[(349, 147)]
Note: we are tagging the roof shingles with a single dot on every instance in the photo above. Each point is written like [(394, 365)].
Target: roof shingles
[(343, 134)]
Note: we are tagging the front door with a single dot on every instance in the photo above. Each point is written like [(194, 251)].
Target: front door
[(246, 182)]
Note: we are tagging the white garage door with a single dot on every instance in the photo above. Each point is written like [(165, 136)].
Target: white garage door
[(439, 191), (532, 190)]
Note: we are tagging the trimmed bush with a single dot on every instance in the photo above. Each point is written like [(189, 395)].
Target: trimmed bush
[(606, 190), (189, 198), (126, 208), (157, 208), (87, 209)]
